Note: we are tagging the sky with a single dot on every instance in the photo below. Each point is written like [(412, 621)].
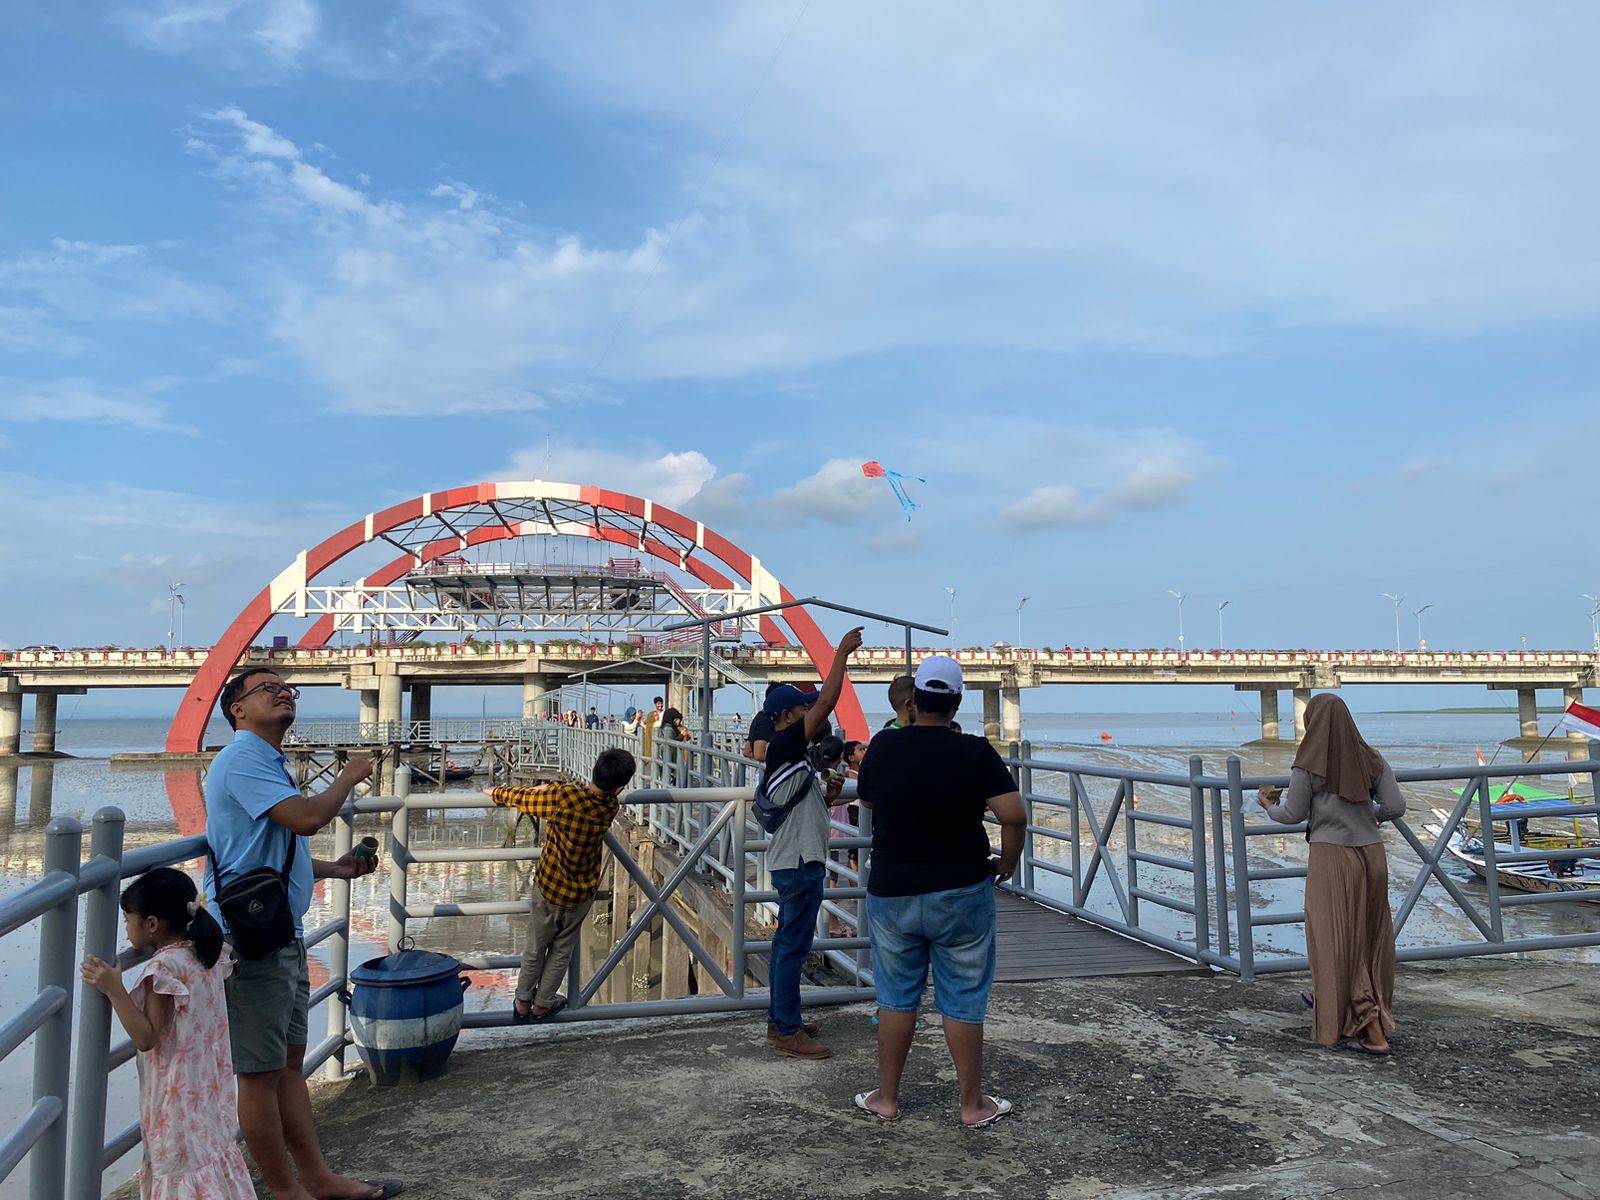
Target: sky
[(1282, 306)]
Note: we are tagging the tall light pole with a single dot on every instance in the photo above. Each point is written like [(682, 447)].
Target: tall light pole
[(1594, 617), (173, 600), (182, 605), (1220, 607), (1421, 645), (1020, 603), (1397, 600), (952, 592), (1180, 597)]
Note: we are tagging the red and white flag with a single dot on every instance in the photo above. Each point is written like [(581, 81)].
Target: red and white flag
[(1481, 763), (1580, 719)]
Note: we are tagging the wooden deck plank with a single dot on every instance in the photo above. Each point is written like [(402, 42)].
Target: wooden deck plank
[(1038, 943)]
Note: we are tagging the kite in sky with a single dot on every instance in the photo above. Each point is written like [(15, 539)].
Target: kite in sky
[(897, 483)]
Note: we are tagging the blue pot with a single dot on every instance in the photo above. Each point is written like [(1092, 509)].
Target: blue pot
[(405, 1014)]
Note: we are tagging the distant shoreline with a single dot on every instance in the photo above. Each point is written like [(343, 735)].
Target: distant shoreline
[(1413, 712)]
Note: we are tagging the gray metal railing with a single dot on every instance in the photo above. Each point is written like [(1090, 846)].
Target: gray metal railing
[(445, 731), (1161, 858)]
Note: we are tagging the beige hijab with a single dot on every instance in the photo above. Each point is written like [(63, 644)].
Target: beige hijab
[(1332, 747)]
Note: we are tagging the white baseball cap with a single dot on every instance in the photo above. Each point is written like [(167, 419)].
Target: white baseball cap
[(939, 674)]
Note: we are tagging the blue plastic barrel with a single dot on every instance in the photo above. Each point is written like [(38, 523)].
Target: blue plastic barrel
[(405, 1014)]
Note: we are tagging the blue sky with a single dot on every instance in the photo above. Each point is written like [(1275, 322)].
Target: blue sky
[(1282, 306)]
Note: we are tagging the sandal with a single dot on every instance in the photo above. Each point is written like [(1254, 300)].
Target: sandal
[(561, 1002), (386, 1187), (861, 1103), (1308, 1000), (1361, 1047), (1001, 1108), (518, 1017)]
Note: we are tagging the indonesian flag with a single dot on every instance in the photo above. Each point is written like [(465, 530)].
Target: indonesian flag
[(1580, 719)]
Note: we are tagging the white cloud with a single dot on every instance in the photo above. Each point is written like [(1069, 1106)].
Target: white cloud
[(1116, 472), (81, 400), (673, 478), (837, 494), (239, 30), (77, 281), (1152, 483), (1054, 506), (258, 139)]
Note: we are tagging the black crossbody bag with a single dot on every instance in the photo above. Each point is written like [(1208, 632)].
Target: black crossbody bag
[(255, 906)]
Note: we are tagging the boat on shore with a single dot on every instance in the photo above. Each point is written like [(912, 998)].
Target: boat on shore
[(1578, 875)]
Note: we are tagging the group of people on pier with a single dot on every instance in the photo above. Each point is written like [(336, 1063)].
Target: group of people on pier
[(219, 1014)]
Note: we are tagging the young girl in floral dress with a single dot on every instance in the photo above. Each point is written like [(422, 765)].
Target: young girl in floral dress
[(178, 1018)]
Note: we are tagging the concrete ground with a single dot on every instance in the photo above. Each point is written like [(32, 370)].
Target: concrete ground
[(1156, 1086)]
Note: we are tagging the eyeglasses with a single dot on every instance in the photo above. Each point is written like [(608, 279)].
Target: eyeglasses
[(274, 688)]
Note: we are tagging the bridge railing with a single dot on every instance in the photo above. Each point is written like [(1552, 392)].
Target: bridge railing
[(445, 731)]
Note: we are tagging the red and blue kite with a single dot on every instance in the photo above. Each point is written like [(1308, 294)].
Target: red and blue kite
[(897, 484)]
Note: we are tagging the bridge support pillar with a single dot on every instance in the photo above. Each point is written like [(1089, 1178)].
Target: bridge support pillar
[(1011, 714), (44, 722), (991, 713), (533, 693), (1528, 713), (1302, 697), (10, 722), (421, 702), (1269, 715), (369, 706)]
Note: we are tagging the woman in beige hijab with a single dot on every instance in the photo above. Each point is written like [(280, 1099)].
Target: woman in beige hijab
[(1343, 787)]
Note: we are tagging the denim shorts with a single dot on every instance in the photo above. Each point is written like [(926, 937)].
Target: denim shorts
[(953, 930)]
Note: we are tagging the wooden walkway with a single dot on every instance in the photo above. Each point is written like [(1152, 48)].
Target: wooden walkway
[(1040, 943)]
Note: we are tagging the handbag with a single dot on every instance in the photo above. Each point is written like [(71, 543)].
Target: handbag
[(255, 906)]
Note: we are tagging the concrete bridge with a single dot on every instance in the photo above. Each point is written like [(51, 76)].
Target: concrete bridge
[(383, 676)]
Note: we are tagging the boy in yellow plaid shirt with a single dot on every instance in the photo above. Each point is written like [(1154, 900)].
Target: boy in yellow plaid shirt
[(576, 817)]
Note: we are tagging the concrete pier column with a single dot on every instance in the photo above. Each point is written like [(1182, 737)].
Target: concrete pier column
[(1011, 714), (44, 722), (1269, 715), (1302, 697), (533, 694), (10, 722), (389, 699), (1528, 713), (369, 706), (421, 702), (991, 713)]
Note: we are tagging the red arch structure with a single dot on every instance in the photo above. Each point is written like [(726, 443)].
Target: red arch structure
[(439, 523)]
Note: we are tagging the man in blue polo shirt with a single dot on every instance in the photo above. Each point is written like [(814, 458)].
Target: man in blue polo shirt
[(254, 813)]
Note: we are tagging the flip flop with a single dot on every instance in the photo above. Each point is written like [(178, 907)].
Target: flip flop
[(388, 1187), (1001, 1108), (861, 1103), (561, 1002), (1308, 1000), (518, 1017), (1361, 1047)]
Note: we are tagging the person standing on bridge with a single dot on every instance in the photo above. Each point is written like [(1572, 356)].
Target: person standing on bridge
[(257, 819), (651, 720), (577, 817), (1344, 787), (930, 897), (761, 729), (798, 852)]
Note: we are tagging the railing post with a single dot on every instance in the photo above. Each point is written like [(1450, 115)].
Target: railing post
[(1241, 870), (1024, 777), (736, 863), (339, 944), (399, 858), (1491, 870), (52, 1044), (1197, 852), (1219, 864), (863, 905), (100, 914), (1074, 787)]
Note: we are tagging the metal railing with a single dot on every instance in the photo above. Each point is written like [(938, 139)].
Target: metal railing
[(446, 731), (1161, 858)]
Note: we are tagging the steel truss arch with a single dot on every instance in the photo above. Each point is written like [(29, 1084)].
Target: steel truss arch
[(437, 523)]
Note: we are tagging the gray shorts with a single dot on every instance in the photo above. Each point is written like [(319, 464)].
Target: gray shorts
[(267, 1001)]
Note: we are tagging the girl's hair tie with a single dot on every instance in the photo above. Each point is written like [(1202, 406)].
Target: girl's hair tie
[(194, 907)]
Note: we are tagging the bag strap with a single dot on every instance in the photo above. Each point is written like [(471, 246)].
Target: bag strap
[(216, 867)]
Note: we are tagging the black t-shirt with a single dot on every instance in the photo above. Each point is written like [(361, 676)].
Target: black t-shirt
[(929, 788), (760, 729), (784, 746)]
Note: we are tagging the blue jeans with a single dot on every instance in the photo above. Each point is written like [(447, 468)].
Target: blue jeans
[(799, 901), (951, 930)]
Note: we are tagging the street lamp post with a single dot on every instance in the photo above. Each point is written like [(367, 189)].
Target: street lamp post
[(952, 592), (1594, 617), (1020, 603), (1220, 607), (1421, 645), (173, 600), (1397, 600), (1180, 597)]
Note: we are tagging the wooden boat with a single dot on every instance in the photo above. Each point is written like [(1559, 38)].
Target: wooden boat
[(1579, 876), (455, 772)]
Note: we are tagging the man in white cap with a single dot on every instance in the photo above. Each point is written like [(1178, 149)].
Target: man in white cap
[(931, 890), (798, 853)]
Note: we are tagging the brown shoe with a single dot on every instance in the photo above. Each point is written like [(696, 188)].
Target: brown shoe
[(809, 1028), (800, 1045)]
